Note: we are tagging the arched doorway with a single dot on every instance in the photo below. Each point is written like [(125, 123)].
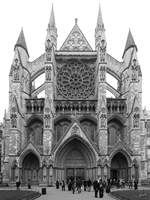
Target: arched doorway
[(30, 169), (119, 167), (75, 159)]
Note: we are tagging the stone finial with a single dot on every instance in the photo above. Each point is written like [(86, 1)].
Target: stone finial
[(76, 21)]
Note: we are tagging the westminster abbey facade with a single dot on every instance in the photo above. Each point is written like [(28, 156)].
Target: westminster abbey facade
[(75, 130)]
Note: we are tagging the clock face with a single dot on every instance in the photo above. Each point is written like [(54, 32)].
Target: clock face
[(75, 81)]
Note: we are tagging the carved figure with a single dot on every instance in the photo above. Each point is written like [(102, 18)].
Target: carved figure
[(16, 70), (48, 73), (102, 73), (13, 120), (134, 70), (47, 120), (48, 49)]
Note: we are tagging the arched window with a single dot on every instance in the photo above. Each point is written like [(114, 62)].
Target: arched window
[(115, 132), (61, 127), (35, 132), (90, 127)]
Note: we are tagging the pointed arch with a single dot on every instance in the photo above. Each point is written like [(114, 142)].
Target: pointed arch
[(29, 149), (123, 152), (75, 142)]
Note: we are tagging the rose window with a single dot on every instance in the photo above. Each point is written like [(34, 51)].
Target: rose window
[(75, 81)]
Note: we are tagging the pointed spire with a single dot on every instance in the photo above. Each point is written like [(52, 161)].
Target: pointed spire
[(99, 30), (52, 30), (21, 42), (100, 23), (52, 19), (129, 43)]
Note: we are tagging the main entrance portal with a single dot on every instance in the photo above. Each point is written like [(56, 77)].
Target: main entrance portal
[(75, 173), (75, 160), (119, 167)]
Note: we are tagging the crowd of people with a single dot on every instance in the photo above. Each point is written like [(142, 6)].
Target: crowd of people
[(99, 186)]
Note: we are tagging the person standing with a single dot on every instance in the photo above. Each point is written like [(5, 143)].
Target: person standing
[(73, 186), (85, 184), (101, 189), (63, 185), (135, 184), (57, 184), (89, 183), (95, 187)]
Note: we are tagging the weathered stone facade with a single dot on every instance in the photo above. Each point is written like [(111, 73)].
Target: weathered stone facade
[(75, 130)]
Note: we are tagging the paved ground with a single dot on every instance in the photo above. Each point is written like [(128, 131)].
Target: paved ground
[(53, 194)]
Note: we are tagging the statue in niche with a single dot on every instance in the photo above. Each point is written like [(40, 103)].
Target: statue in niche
[(13, 120), (103, 120), (47, 120), (48, 49), (16, 70), (136, 120), (134, 70), (102, 73), (102, 50), (48, 73)]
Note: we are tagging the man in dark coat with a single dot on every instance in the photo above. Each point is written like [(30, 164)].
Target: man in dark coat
[(89, 183), (95, 187), (57, 184), (101, 189)]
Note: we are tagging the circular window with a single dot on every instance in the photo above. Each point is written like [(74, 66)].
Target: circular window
[(75, 81)]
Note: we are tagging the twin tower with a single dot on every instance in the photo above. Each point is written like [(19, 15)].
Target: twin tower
[(75, 130)]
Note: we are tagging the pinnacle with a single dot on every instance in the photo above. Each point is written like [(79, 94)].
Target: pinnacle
[(99, 18), (21, 42), (129, 43), (52, 18)]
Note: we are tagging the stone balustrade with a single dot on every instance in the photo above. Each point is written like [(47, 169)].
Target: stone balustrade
[(35, 105), (75, 106), (117, 106)]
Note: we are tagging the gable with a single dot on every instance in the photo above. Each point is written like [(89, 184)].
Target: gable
[(75, 130), (76, 41)]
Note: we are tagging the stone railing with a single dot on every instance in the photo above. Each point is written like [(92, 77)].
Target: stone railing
[(35, 105), (117, 106), (75, 106)]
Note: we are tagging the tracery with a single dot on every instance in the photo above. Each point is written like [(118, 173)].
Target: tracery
[(75, 81)]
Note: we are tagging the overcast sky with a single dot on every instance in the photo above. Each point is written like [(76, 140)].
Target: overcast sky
[(33, 16)]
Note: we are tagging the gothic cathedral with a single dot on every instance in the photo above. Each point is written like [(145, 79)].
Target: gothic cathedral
[(75, 130)]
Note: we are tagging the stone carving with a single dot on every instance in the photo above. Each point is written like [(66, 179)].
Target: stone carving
[(134, 70), (103, 120), (136, 118), (47, 120), (102, 51), (76, 41), (75, 81), (48, 72), (102, 73), (13, 120), (16, 70), (48, 49), (75, 130)]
